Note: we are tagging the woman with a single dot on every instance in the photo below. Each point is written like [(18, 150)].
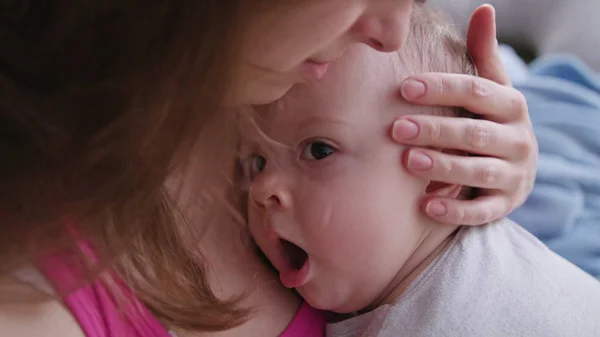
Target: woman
[(102, 101)]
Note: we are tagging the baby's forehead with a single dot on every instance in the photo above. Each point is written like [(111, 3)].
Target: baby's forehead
[(363, 70), (363, 76), (363, 82)]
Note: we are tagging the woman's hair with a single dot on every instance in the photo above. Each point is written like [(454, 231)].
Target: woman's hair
[(101, 101)]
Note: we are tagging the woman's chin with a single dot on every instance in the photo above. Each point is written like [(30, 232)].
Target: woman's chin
[(270, 94), (259, 92)]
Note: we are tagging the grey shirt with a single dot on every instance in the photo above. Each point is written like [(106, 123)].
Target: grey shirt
[(492, 280)]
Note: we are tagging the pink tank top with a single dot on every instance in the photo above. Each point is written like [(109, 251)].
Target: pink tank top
[(100, 315)]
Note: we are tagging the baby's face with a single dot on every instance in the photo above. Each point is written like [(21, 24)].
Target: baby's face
[(330, 204)]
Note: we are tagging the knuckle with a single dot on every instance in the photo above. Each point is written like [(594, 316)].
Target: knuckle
[(446, 167), (529, 182), (524, 187), (523, 145), (466, 216), (486, 175), (516, 188), (518, 103), (519, 182), (478, 88), (432, 131), (436, 86), (484, 216), (462, 216), (512, 203), (515, 203), (478, 136), (444, 86)]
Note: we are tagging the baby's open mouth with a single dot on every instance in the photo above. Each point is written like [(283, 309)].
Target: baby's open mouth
[(295, 256)]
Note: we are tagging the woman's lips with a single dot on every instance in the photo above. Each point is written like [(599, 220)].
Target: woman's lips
[(314, 70)]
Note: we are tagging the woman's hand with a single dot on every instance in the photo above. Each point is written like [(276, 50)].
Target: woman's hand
[(504, 171)]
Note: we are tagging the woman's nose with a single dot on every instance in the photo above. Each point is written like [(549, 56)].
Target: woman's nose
[(267, 191), (384, 32)]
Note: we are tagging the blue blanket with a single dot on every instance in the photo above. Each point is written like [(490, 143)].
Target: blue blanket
[(564, 208)]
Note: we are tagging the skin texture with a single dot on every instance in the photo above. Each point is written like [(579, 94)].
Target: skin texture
[(281, 38), (504, 132), (354, 213), (284, 35), (504, 181), (386, 22)]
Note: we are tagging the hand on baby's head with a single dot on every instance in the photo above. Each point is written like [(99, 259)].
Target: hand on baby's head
[(328, 204)]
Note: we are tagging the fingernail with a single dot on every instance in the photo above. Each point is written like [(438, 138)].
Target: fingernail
[(418, 160), (436, 208), (405, 129), (412, 89)]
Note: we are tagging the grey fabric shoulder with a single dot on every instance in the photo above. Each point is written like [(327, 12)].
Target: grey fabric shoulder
[(492, 280)]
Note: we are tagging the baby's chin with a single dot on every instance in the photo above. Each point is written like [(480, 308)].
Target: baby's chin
[(329, 299)]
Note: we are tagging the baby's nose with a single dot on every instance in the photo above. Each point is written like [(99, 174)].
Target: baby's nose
[(268, 192)]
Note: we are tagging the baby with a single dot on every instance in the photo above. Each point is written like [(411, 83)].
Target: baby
[(332, 211)]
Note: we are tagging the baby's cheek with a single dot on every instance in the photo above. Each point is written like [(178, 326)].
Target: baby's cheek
[(254, 226), (335, 222)]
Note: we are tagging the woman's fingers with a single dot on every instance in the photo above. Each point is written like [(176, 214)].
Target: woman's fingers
[(483, 46), (481, 96), (470, 135), (480, 172), (473, 212), (504, 134)]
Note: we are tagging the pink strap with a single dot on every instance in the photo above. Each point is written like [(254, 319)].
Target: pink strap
[(308, 322), (100, 315), (95, 308)]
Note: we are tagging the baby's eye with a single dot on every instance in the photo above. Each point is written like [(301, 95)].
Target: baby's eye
[(254, 165), (317, 151), (257, 164)]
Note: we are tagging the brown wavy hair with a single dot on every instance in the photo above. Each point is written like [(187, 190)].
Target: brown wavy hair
[(100, 102)]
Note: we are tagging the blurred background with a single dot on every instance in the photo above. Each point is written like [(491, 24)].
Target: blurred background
[(540, 27), (555, 61)]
